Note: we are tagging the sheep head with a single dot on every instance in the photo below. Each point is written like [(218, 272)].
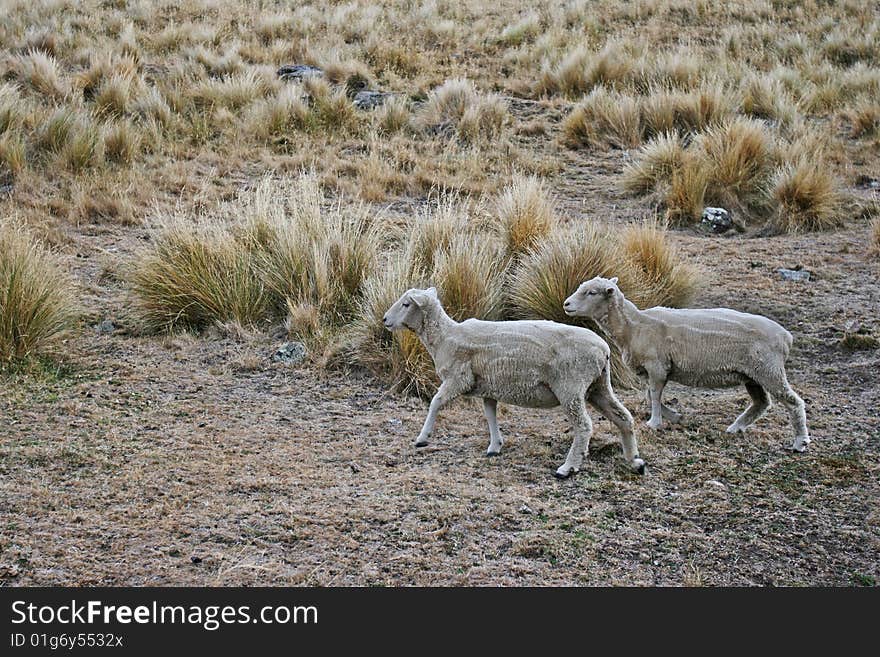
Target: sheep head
[(592, 298), (410, 309)]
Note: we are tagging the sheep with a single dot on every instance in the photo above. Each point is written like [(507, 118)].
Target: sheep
[(536, 364), (712, 348)]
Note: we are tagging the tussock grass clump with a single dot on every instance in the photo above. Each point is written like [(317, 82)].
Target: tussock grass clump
[(654, 164), (13, 153), (469, 275), (115, 95), (764, 97), (684, 112), (547, 276), (285, 251), (12, 109), (738, 157), (864, 120), (666, 279), (456, 106), (36, 298), (874, 238), (39, 71), (83, 147), (549, 273), (807, 197), (581, 70), (195, 275), (280, 115), (603, 118), (393, 116), (53, 134), (121, 142), (232, 92), (525, 214), (686, 196), (433, 229)]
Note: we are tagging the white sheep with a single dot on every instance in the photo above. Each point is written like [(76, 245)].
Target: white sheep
[(711, 348), (536, 364)]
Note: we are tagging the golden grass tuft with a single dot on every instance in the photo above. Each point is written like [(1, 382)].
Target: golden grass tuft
[(666, 280), (738, 157), (524, 214), (433, 229), (685, 199), (195, 275), (39, 71), (13, 153), (36, 296), (807, 197), (654, 164), (456, 107), (469, 275), (864, 120), (874, 238), (603, 118), (121, 141)]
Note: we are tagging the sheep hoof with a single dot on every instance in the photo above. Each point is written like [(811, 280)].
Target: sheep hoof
[(564, 471), (654, 424), (491, 452), (800, 444), (735, 428), (421, 442), (639, 465)]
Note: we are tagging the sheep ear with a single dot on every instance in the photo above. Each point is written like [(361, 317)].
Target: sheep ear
[(421, 298), (432, 291), (614, 280)]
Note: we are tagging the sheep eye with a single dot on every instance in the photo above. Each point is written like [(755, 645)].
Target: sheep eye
[(406, 305), (591, 292)]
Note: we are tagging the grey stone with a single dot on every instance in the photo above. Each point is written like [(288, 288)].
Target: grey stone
[(716, 220), (290, 352), (299, 72), (794, 274), (106, 327), (369, 100)]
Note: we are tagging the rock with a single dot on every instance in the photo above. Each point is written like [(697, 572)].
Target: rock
[(716, 220), (525, 508), (369, 100), (794, 274), (106, 327), (716, 484), (290, 352), (299, 72)]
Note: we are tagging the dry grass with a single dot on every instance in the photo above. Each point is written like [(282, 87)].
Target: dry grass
[(525, 214), (665, 277), (193, 276), (874, 238), (278, 249), (686, 196), (738, 157), (654, 165), (36, 297), (806, 197), (603, 118), (456, 107)]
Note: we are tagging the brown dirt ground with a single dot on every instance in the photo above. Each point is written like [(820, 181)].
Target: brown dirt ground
[(199, 461)]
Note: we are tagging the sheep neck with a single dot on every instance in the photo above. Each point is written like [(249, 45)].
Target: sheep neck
[(436, 326), (622, 316)]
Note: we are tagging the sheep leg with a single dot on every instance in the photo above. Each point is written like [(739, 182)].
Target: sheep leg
[(582, 428), (780, 390), (656, 384), (445, 394), (667, 412), (603, 399), (495, 439), (760, 404)]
